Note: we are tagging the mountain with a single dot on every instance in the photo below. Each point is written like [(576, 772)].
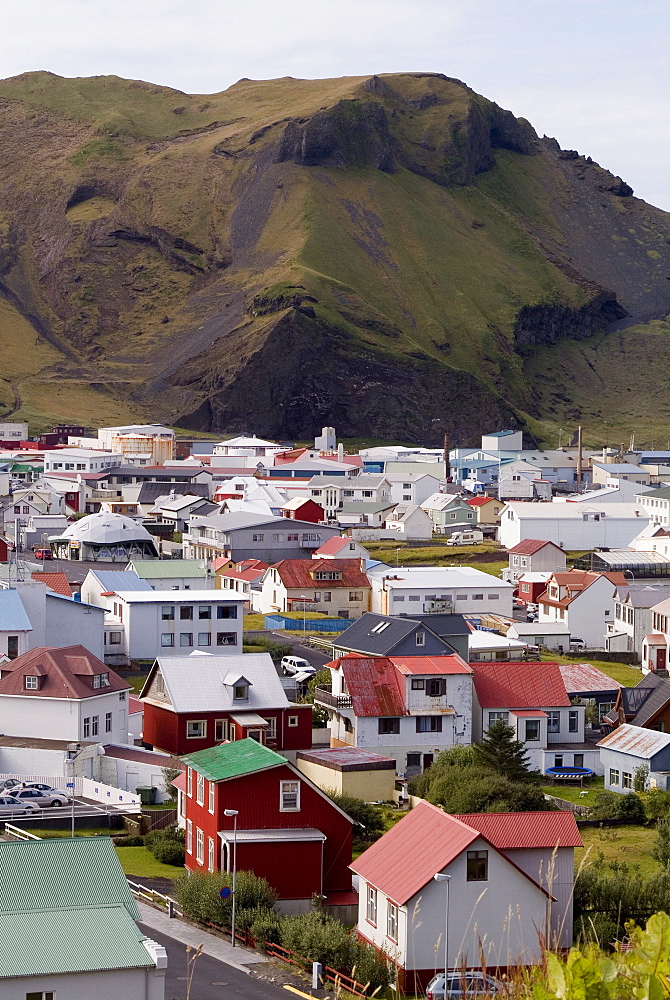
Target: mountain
[(394, 255)]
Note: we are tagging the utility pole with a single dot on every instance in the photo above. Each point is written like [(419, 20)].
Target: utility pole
[(579, 454)]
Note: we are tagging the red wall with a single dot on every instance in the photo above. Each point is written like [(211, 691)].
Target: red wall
[(167, 730), (309, 511), (161, 728), (286, 866)]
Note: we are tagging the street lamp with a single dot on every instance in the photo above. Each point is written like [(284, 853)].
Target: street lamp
[(441, 877), (234, 813), (304, 614)]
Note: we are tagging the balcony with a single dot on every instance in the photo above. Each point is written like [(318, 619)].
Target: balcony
[(310, 542), (326, 699)]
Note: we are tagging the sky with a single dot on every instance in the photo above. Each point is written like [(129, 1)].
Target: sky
[(594, 74)]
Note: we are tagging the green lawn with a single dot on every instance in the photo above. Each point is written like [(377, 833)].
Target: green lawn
[(488, 556), (136, 681), (625, 675), (139, 861), (629, 844), (571, 793), (98, 831)]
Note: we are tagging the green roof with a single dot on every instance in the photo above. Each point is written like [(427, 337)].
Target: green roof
[(231, 760), (87, 939), (152, 569), (61, 872)]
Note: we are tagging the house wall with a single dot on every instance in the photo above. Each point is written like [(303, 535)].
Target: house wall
[(588, 613), (240, 544), (132, 984), (372, 786), (554, 870), (625, 762), (548, 559), (31, 760), (571, 532), (404, 598), (65, 619), (63, 718)]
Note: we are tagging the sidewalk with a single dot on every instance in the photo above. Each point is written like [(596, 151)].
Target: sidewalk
[(239, 957)]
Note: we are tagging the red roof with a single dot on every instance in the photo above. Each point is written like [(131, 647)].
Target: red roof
[(431, 664), (54, 581), (528, 713), (334, 545), (406, 858), (526, 830), (582, 677), (531, 545), (519, 685), (64, 673), (375, 686), (134, 705), (479, 501), (180, 782), (297, 574)]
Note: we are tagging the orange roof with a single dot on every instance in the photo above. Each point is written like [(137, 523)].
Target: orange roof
[(575, 581), (334, 545), (479, 501), (296, 574), (431, 664), (529, 546), (374, 685), (57, 582), (65, 672), (519, 685)]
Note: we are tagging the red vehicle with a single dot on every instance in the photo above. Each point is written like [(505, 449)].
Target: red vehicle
[(43, 554)]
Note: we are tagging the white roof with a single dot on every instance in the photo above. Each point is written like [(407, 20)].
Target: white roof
[(196, 684), (424, 577), (535, 577), (539, 628), (636, 741), (106, 529), (480, 640), (409, 477), (575, 511), (140, 429), (179, 597), (73, 453), (248, 442)]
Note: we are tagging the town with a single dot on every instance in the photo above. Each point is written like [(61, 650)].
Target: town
[(397, 689)]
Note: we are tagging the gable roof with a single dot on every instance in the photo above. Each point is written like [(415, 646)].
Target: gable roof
[(481, 501), (374, 685), (582, 677), (196, 683), (576, 581), (298, 573), (365, 636), (65, 672), (334, 545), (525, 830), (150, 492), (636, 741), (520, 685), (421, 665), (57, 582), (232, 760), (114, 580), (529, 546), (12, 613)]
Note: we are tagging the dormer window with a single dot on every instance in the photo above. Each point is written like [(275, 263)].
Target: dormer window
[(100, 680), (31, 682), (420, 638), (327, 575), (241, 692)]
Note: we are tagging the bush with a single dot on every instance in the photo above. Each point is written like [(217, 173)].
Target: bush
[(198, 895), (473, 790), (128, 841), (170, 852), (628, 807), (368, 819)]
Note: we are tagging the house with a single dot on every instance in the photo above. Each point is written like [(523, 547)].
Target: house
[(572, 526), (247, 451), (80, 460), (245, 578), (303, 509), (583, 601), (531, 586), (487, 509), (449, 512), (284, 828), (534, 555), (175, 509), (657, 504), (65, 693), (552, 635), (411, 487), (15, 625), (389, 635), (104, 537), (139, 444), (172, 574), (331, 494), (438, 588), (487, 645), (508, 889), (522, 481), (40, 612), (253, 536), (194, 702), (410, 522), (647, 705), (629, 748), (341, 547), (338, 587), (602, 473), (532, 699), (71, 896), (585, 683), (633, 614), (141, 622), (405, 707), (362, 514), (349, 771), (57, 583)]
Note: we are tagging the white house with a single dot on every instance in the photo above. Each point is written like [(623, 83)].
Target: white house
[(573, 526), (533, 555), (506, 887), (32, 615), (406, 707), (657, 504), (411, 487), (341, 547), (603, 472), (581, 600), (656, 644), (80, 460), (418, 589), (65, 694), (628, 748), (173, 574), (336, 587), (633, 613), (410, 522), (331, 494)]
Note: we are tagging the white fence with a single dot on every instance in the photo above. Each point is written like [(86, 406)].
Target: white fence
[(56, 781), (87, 788)]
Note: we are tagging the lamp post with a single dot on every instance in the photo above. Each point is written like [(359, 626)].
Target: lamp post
[(234, 813), (304, 614), (441, 877)]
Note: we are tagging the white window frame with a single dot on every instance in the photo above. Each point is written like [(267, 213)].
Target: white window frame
[(371, 906), (210, 854), (292, 721), (199, 846), (200, 789), (189, 836), (210, 798), (614, 776), (284, 792), (392, 921), (189, 782), (201, 734), (271, 731)]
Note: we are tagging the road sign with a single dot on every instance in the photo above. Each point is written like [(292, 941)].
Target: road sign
[(225, 893), (70, 784)]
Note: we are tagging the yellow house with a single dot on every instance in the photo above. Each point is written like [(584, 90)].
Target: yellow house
[(350, 771), (487, 508)]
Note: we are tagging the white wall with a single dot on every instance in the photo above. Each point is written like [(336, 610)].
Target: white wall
[(69, 622), (63, 718), (131, 984), (614, 531)]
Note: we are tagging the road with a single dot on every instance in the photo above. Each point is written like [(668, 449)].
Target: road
[(313, 656), (212, 979)]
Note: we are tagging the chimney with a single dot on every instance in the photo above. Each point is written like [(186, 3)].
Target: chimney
[(340, 452), (579, 455), (447, 464)]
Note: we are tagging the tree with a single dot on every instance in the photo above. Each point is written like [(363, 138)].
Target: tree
[(641, 778), (473, 790), (169, 774), (502, 753), (368, 819), (661, 849)]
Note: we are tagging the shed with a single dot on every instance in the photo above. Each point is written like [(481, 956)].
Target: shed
[(350, 771), (631, 747)]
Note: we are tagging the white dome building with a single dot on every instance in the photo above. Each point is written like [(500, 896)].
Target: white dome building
[(104, 537)]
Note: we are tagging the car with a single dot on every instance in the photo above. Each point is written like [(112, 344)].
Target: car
[(577, 645), (296, 665), (9, 807), (43, 554), (532, 616), (518, 602), (44, 788), (461, 984), (531, 606), (40, 798), (8, 783)]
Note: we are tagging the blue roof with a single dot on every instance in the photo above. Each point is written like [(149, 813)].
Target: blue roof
[(500, 434), (120, 579), (12, 613)]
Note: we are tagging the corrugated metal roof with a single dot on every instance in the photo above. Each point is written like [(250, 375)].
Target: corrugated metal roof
[(272, 836), (525, 830), (406, 858), (156, 569), (431, 664), (64, 672), (53, 942), (111, 581), (520, 685), (636, 741), (348, 759), (582, 677), (57, 582), (301, 573), (195, 683), (62, 872), (529, 713), (12, 613), (375, 686), (231, 760), (529, 546)]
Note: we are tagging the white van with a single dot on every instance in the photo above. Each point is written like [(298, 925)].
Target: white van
[(473, 536), (296, 665)]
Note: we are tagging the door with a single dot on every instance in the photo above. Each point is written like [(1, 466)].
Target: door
[(578, 760), (661, 658), (427, 760)]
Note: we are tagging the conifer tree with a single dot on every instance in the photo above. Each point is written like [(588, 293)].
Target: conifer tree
[(502, 753)]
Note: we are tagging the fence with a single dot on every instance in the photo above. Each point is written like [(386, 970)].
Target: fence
[(273, 622), (97, 791), (155, 898), (16, 833), (565, 804), (329, 975), (58, 781)]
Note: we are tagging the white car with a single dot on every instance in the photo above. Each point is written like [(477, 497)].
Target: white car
[(296, 665), (39, 798), (10, 807)]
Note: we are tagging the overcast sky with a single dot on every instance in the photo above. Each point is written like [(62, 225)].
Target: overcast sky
[(593, 73)]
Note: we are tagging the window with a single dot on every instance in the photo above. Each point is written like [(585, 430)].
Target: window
[(12, 646), (189, 782), (392, 921), (186, 613), (196, 730), (417, 684), (240, 692), (477, 866), (200, 790), (31, 682), (436, 687), (461, 597), (553, 722), (210, 803), (327, 595), (477, 597), (573, 722), (210, 854), (94, 725), (493, 597), (49, 995), (108, 722), (413, 760), (414, 597), (292, 721), (185, 638), (204, 611), (271, 731), (578, 760), (167, 613), (259, 537), (226, 639), (371, 908), (289, 796), (614, 776), (367, 493), (498, 717), (199, 846), (558, 760), (226, 612), (429, 724), (532, 729), (388, 727), (100, 680), (420, 638), (626, 780), (87, 727), (114, 640), (204, 638), (355, 596), (167, 639)]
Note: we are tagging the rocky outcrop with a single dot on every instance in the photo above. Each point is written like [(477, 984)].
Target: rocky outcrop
[(351, 134), (546, 323)]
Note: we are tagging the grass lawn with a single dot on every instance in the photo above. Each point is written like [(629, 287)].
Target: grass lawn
[(136, 681), (571, 793), (488, 556), (97, 831), (139, 861), (629, 844), (621, 672)]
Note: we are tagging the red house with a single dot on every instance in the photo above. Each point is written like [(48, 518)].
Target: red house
[(288, 831), (194, 702), (303, 509)]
